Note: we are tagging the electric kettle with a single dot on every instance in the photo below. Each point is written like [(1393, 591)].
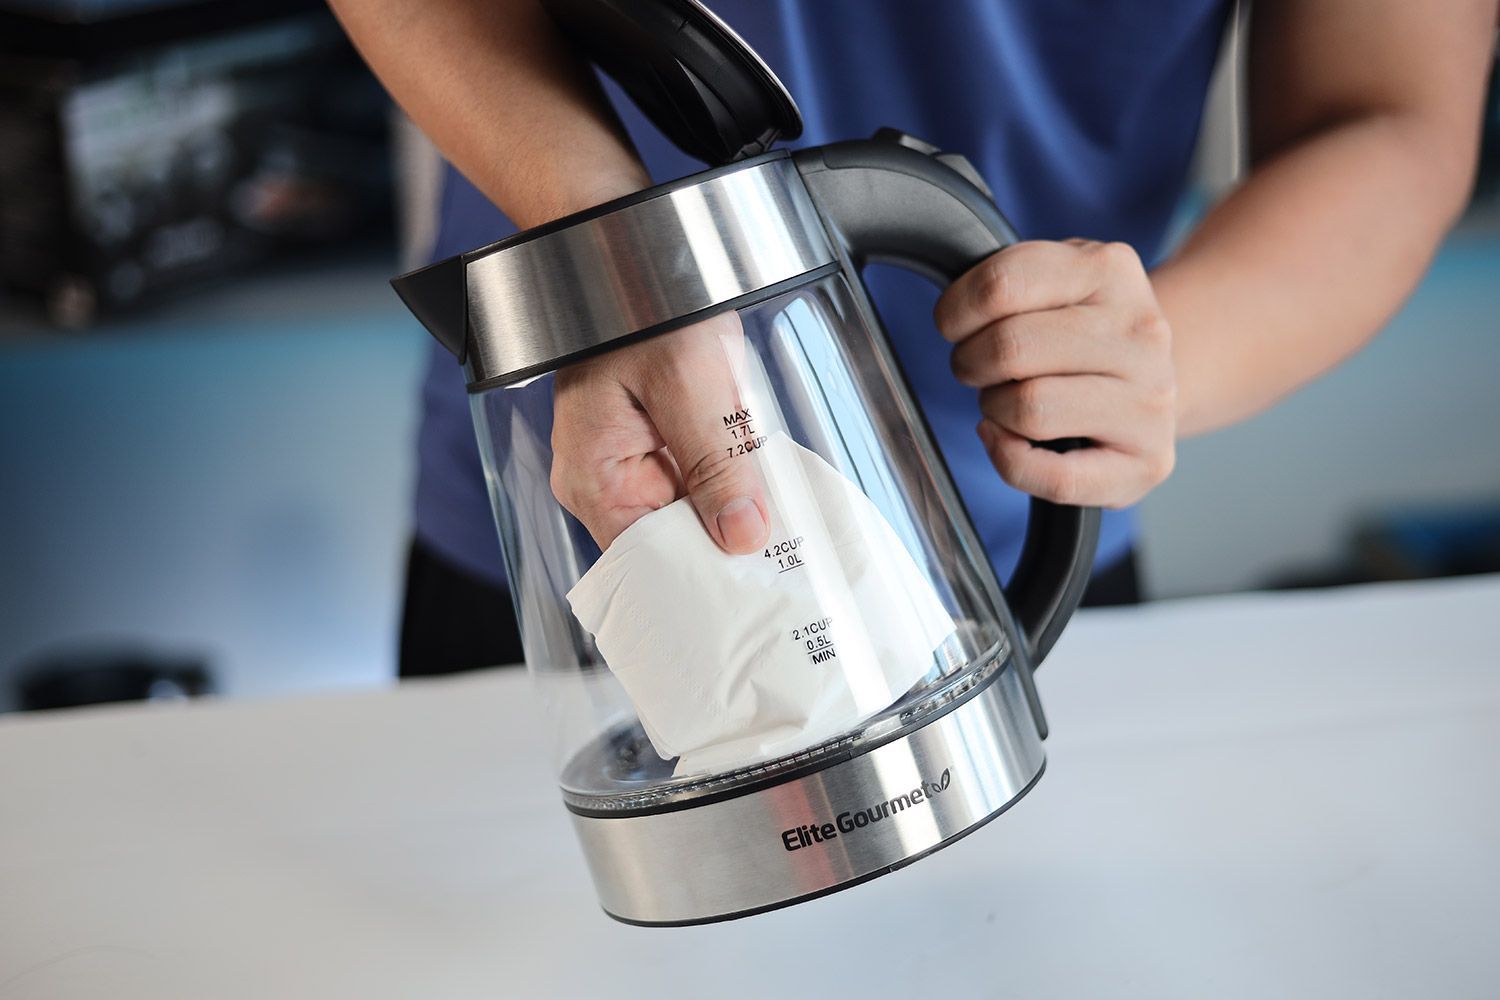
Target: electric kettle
[(863, 696)]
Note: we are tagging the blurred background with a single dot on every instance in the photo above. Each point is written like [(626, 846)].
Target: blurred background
[(208, 393)]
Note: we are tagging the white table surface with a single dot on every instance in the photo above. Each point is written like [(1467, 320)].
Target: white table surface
[(1257, 796)]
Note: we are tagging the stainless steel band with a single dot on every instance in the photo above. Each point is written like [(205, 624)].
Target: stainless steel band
[(831, 829), (682, 249)]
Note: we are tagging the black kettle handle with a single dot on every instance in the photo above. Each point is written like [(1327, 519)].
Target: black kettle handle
[(892, 200)]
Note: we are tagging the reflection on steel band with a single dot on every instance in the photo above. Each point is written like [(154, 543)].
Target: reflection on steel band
[(536, 302)]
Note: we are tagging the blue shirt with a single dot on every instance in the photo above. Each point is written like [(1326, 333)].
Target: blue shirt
[(1081, 114)]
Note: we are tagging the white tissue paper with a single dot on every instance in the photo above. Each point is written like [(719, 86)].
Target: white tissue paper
[(731, 659)]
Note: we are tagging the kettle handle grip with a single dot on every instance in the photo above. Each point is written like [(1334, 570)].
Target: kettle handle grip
[(889, 200)]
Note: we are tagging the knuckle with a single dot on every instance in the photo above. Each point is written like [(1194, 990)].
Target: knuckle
[(958, 363), (709, 472), (944, 314), (990, 357), (557, 476), (1161, 400), (564, 483), (1152, 329), (1169, 400), (654, 382), (661, 368), (994, 404), (1029, 406), (999, 283), (1117, 255), (1062, 483), (1005, 347)]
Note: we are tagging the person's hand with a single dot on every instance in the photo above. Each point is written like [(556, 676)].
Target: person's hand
[(636, 428), (1066, 340)]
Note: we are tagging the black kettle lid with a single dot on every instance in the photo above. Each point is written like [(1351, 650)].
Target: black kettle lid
[(687, 70)]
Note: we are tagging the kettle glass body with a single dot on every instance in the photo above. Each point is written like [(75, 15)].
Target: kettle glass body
[(868, 561), (738, 731)]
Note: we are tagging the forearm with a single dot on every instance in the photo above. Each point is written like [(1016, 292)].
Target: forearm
[(1364, 131), (499, 93), (1302, 264)]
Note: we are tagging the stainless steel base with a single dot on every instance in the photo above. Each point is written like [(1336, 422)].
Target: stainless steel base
[(825, 831)]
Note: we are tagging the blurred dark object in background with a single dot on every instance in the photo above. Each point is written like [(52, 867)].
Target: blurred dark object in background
[(144, 145), (95, 677), (1412, 544)]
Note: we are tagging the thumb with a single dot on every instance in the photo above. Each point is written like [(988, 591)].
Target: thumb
[(694, 402)]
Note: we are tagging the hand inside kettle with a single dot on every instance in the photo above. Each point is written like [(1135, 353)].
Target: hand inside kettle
[(637, 428)]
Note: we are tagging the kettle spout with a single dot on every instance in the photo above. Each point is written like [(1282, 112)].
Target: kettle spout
[(437, 295)]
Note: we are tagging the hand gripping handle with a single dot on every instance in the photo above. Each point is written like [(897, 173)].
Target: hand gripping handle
[(890, 200)]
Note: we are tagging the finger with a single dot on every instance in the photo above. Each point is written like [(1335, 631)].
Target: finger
[(1073, 340), (1085, 477), (1099, 407), (609, 466), (694, 402), (1024, 277)]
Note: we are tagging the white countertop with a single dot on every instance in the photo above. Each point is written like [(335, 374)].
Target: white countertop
[(1278, 796)]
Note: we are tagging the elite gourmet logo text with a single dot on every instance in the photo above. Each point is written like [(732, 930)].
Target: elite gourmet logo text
[(847, 822)]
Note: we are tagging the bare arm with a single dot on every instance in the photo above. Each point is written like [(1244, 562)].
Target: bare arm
[(494, 86), (1365, 130), (1364, 135), (497, 90)]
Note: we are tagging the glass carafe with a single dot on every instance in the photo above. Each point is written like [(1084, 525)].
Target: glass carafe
[(801, 371), (813, 698)]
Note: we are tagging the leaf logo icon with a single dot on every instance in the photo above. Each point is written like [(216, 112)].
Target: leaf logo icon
[(943, 781)]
